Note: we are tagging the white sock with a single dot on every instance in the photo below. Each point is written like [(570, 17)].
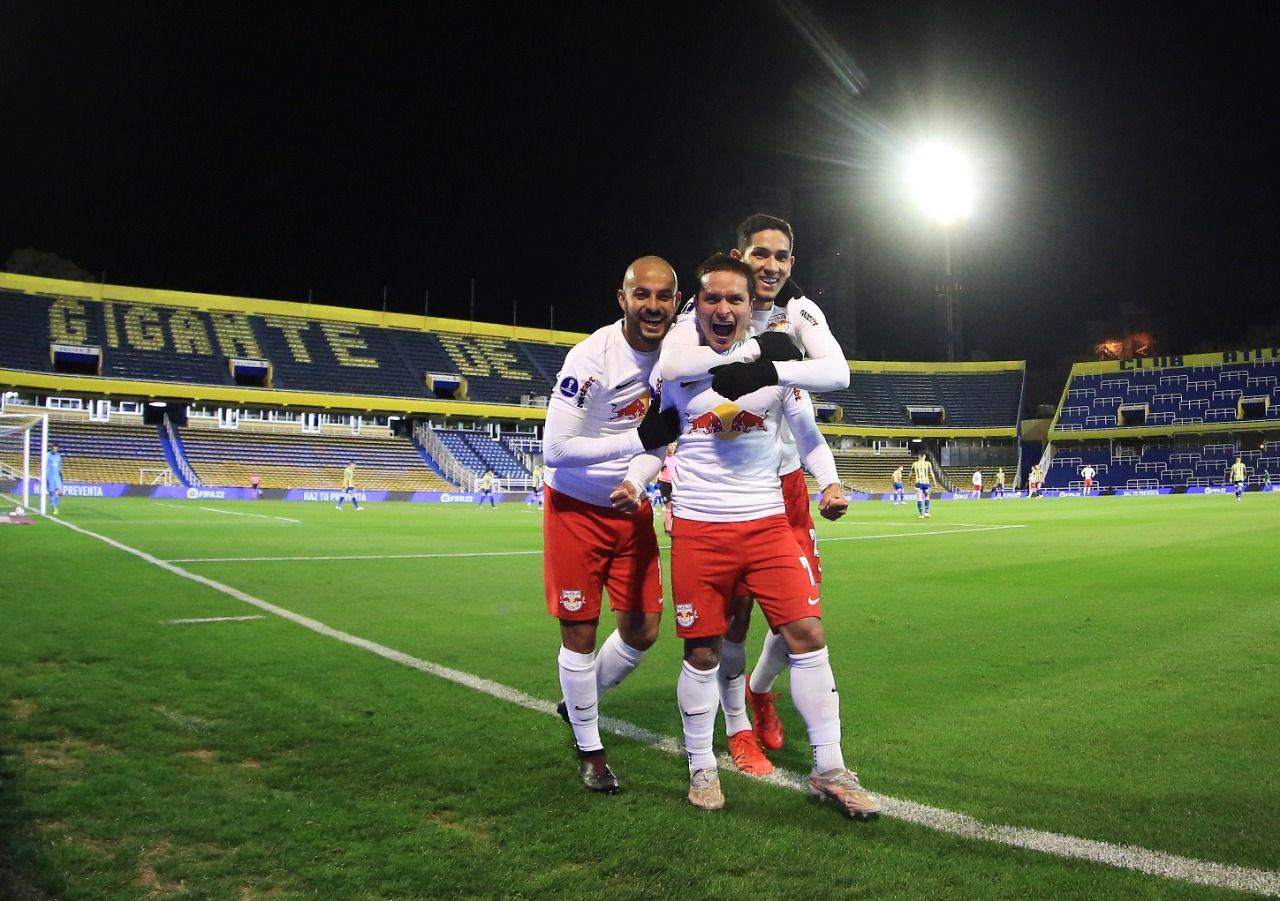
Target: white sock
[(813, 691), (732, 682), (773, 660), (578, 684), (614, 662), (696, 693)]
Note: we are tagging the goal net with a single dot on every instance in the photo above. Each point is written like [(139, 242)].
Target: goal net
[(24, 441)]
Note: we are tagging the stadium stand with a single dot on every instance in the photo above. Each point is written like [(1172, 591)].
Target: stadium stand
[(970, 395), (123, 453), (477, 450), (290, 460)]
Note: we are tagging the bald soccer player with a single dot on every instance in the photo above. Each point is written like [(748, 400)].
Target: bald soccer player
[(598, 532)]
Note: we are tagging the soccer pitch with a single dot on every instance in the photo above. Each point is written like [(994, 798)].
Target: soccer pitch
[(1103, 669)]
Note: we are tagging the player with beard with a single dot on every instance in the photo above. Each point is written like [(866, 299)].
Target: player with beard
[(784, 324), (598, 534), (731, 530)]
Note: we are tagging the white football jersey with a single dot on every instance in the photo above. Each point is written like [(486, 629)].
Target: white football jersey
[(730, 451), (600, 396)]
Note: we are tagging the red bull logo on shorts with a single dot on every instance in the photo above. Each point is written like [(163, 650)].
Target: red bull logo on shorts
[(686, 616), (571, 600)]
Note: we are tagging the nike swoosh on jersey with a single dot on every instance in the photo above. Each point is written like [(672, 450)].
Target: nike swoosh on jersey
[(625, 384), (688, 384)]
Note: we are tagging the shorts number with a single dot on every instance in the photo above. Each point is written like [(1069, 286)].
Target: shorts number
[(813, 536), (808, 571)]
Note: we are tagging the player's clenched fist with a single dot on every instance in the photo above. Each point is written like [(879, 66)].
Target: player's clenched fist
[(832, 504), (627, 496)]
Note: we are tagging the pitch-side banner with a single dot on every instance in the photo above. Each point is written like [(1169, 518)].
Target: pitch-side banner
[(79, 489), (204, 493)]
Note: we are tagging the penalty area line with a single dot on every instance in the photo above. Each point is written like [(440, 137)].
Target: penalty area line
[(822, 539), (1128, 857), (352, 557), (211, 619)]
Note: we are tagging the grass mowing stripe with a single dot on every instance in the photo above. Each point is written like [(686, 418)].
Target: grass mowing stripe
[(1129, 857)]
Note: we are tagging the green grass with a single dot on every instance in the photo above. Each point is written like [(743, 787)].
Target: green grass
[(1110, 671)]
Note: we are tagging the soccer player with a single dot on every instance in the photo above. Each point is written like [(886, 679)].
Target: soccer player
[(1033, 480), (255, 483), (1237, 475), (899, 493), (977, 483), (664, 486), (998, 490), (922, 476), (53, 477), (598, 527), (349, 486), (783, 323), (731, 529), (486, 489), (1087, 473), (538, 475)]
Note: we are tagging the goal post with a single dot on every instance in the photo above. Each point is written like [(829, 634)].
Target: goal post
[(19, 461)]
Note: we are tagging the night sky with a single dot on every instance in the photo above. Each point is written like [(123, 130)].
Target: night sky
[(1126, 177)]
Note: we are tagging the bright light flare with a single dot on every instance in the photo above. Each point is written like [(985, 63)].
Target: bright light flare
[(942, 181)]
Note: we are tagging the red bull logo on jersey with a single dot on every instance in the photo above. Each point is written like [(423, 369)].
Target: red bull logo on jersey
[(707, 422), (779, 325), (634, 410), (727, 422)]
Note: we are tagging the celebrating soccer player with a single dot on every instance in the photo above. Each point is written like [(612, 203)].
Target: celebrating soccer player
[(731, 529), (784, 324), (598, 526)]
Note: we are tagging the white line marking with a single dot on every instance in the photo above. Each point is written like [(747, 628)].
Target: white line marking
[(354, 557), (211, 619), (254, 515), (822, 539), (1129, 857)]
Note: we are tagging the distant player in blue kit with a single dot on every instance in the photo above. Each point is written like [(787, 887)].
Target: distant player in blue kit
[(53, 477), (486, 489), (922, 475), (349, 486), (539, 475)]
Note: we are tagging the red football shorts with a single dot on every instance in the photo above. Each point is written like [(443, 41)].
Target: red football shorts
[(588, 549), (1088, 483), (710, 559), (795, 495)]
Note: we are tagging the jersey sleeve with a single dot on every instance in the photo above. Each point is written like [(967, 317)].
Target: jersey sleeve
[(645, 467), (814, 451), (562, 441), (826, 368)]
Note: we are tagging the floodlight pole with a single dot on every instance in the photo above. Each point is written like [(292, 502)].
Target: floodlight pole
[(949, 289)]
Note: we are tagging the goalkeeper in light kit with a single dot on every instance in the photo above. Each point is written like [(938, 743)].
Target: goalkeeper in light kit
[(53, 477)]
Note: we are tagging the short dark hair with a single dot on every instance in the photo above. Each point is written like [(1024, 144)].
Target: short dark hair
[(722, 262), (759, 222)]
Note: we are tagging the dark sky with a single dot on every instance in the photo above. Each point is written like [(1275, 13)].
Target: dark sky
[(1123, 156)]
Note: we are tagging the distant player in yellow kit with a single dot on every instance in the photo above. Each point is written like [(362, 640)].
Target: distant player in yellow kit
[(922, 475)]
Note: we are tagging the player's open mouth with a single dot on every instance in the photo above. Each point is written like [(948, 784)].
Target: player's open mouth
[(723, 329), (769, 281)]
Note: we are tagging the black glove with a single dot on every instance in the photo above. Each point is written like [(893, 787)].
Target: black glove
[(659, 427), (733, 380), (777, 347)]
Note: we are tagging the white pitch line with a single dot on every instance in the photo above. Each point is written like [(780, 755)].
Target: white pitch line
[(354, 557), (211, 619), (822, 539), (1128, 857), (254, 515)]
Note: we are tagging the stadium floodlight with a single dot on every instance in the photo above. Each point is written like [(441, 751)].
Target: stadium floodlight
[(156, 403), (941, 179)]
